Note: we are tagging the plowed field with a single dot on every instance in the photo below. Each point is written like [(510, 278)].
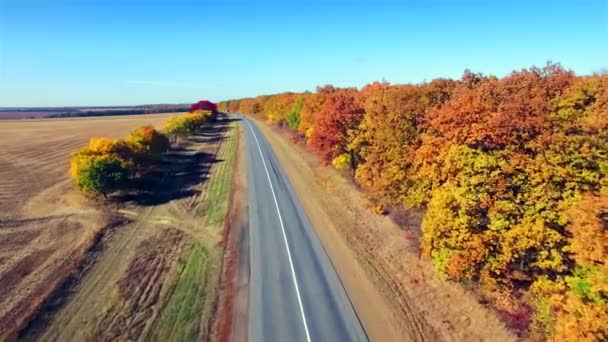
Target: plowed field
[(45, 225)]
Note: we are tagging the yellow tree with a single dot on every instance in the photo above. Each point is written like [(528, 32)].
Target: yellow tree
[(277, 107)]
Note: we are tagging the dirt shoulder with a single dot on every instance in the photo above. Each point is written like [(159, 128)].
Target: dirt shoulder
[(231, 317), (394, 294)]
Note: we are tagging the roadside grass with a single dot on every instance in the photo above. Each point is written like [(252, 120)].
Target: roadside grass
[(215, 207), (188, 310), (179, 321)]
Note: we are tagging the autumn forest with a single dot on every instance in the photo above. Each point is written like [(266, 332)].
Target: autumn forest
[(511, 174)]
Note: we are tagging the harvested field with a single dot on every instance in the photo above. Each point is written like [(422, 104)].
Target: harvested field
[(35, 155), (156, 276), (46, 227)]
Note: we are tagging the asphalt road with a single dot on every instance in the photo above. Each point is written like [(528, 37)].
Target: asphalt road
[(295, 293)]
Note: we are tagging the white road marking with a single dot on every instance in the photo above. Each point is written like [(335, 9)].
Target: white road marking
[(293, 272)]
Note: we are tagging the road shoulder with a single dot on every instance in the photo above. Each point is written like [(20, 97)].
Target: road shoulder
[(394, 294), (233, 300)]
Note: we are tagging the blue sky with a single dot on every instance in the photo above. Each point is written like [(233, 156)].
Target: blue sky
[(122, 52)]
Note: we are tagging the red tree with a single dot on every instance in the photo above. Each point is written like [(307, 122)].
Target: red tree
[(204, 105), (340, 114)]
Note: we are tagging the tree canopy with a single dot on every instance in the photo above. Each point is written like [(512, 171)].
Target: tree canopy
[(511, 173), (106, 165)]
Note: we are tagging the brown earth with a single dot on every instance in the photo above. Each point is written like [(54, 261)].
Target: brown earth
[(45, 226), (140, 287), (35, 155), (395, 295), (124, 293)]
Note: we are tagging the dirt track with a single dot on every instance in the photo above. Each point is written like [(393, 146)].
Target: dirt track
[(395, 295)]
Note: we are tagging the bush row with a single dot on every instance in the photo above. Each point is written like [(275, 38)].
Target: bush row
[(107, 165), (511, 172)]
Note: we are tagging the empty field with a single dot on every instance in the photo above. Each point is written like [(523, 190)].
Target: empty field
[(35, 155), (157, 276), (144, 265), (45, 225)]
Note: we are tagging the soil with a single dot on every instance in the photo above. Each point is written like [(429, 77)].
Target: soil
[(395, 294), (45, 226), (140, 287), (77, 268), (122, 294)]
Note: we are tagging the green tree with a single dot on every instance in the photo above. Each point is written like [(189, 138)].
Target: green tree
[(293, 117), (101, 174)]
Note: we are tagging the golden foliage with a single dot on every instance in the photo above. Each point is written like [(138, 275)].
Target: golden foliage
[(104, 165), (512, 172)]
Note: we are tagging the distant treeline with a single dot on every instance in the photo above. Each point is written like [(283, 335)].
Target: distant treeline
[(122, 111), (66, 112)]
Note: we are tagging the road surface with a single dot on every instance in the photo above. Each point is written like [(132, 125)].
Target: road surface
[(295, 293)]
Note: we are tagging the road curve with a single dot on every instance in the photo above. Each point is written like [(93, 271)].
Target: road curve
[(295, 293)]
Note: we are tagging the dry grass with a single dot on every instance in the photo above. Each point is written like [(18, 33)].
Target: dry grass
[(156, 276), (45, 226)]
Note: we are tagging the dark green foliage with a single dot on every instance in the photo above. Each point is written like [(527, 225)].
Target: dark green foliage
[(102, 174)]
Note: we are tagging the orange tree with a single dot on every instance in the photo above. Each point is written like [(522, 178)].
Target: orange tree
[(389, 134), (574, 305), (310, 107), (512, 173), (147, 140), (336, 127)]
